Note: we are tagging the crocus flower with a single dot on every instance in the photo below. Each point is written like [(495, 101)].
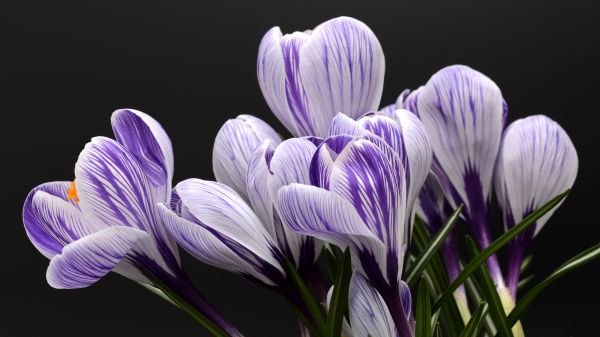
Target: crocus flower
[(463, 112), (365, 188), (106, 219), (537, 161), (242, 232), (308, 77)]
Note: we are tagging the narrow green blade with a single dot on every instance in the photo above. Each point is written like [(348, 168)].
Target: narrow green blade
[(432, 247), (307, 296), (525, 264), (423, 328), (525, 281), (499, 243), (187, 307), (574, 263), (339, 298), (488, 289), (474, 324)]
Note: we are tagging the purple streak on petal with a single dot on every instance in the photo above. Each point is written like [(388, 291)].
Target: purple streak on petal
[(373, 182), (83, 262), (114, 190), (405, 298), (48, 237), (148, 142), (326, 153)]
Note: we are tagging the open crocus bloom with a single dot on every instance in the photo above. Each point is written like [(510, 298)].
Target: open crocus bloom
[(106, 220), (308, 77), (463, 112), (537, 161), (242, 231), (367, 177)]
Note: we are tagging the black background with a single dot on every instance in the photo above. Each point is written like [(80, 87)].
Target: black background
[(66, 65)]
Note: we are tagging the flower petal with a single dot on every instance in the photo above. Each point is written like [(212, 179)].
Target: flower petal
[(537, 161), (257, 184), (369, 315), (51, 220), (217, 207), (322, 162), (373, 181), (323, 214), (342, 68), (462, 112), (234, 146), (114, 190), (309, 77), (344, 125), (215, 248), (88, 259), (148, 142)]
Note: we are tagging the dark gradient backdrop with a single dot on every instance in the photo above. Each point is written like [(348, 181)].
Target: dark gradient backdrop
[(66, 65)]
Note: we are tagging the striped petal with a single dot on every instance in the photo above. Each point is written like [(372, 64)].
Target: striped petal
[(344, 125), (51, 220), (537, 161), (462, 111), (85, 261), (270, 169), (217, 208), (369, 315), (307, 78), (373, 182), (326, 153), (148, 142), (215, 248), (114, 190), (323, 214), (234, 146)]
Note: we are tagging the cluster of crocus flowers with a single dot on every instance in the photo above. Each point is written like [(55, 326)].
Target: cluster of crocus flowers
[(355, 175)]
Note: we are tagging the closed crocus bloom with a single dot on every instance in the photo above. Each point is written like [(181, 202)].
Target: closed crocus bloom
[(106, 219), (308, 77), (217, 226), (365, 178), (234, 145), (537, 161), (462, 111)]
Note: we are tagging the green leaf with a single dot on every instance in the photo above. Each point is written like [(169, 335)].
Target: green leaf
[(187, 307), (437, 274), (437, 330), (490, 293), (307, 296), (474, 324), (474, 264), (423, 328), (339, 298), (583, 258), (525, 281), (525, 264), (305, 320), (431, 249)]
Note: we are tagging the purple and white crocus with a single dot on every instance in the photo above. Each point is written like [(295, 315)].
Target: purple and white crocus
[(106, 219), (233, 223), (537, 161), (366, 176), (308, 77), (463, 112)]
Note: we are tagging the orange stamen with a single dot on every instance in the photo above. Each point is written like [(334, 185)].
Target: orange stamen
[(72, 193)]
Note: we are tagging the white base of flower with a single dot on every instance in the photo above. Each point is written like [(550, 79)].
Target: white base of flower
[(508, 303)]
